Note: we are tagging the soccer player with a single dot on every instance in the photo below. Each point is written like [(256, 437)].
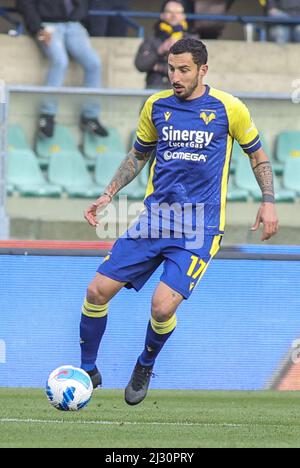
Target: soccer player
[(193, 127)]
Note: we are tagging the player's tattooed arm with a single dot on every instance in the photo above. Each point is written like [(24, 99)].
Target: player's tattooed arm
[(263, 172), (266, 215), (128, 171)]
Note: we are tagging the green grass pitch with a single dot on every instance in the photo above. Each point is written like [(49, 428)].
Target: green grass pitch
[(166, 419)]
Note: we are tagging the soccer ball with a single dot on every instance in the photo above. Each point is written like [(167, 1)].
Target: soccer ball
[(69, 388)]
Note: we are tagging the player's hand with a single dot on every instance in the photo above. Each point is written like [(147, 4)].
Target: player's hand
[(91, 213), (268, 217)]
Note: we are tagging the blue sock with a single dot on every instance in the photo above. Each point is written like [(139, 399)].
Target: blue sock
[(92, 327), (158, 334)]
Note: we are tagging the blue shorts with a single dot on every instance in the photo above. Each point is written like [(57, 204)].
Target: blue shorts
[(133, 261)]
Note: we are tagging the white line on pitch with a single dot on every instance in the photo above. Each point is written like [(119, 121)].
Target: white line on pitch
[(118, 423)]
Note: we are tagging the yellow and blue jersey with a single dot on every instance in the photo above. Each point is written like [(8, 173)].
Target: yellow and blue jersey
[(194, 142)]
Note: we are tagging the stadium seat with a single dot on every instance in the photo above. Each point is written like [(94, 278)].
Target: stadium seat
[(24, 173), (132, 139), (237, 151), (276, 165), (95, 146), (106, 167), (144, 176), (16, 138), (288, 145), (62, 140), (68, 170), (235, 194), (245, 179), (9, 189), (135, 190), (282, 195), (291, 176)]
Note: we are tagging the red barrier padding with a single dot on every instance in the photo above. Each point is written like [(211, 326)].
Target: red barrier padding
[(55, 245)]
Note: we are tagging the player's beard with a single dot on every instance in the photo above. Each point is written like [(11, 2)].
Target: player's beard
[(188, 91)]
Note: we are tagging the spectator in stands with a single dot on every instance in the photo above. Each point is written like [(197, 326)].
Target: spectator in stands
[(57, 27), (152, 56), (108, 26), (210, 29), (283, 9)]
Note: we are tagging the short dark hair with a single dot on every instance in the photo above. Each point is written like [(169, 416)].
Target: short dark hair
[(192, 46), (165, 3)]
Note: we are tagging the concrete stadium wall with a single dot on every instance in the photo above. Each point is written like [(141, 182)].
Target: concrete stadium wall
[(62, 219), (234, 65), (23, 62)]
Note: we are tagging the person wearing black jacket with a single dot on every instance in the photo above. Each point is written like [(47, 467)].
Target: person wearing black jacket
[(152, 56), (210, 29), (107, 25), (56, 26), (284, 9)]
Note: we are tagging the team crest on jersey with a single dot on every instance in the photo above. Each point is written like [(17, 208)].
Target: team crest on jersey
[(208, 117), (168, 116)]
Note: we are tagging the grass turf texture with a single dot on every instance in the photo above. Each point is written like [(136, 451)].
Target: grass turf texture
[(174, 419)]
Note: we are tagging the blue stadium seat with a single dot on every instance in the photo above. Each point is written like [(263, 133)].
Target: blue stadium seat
[(245, 179), (68, 170), (62, 140), (9, 189), (106, 167), (282, 195), (288, 146), (25, 175), (132, 139), (235, 194), (16, 138), (94, 147), (276, 165), (291, 176)]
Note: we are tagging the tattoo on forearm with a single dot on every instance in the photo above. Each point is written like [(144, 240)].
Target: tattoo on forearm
[(128, 170), (259, 164), (264, 176)]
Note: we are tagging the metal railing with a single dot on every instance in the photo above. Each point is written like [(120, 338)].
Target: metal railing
[(259, 23), (116, 92)]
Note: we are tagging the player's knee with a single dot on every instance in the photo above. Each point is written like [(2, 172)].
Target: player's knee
[(160, 311), (95, 295)]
